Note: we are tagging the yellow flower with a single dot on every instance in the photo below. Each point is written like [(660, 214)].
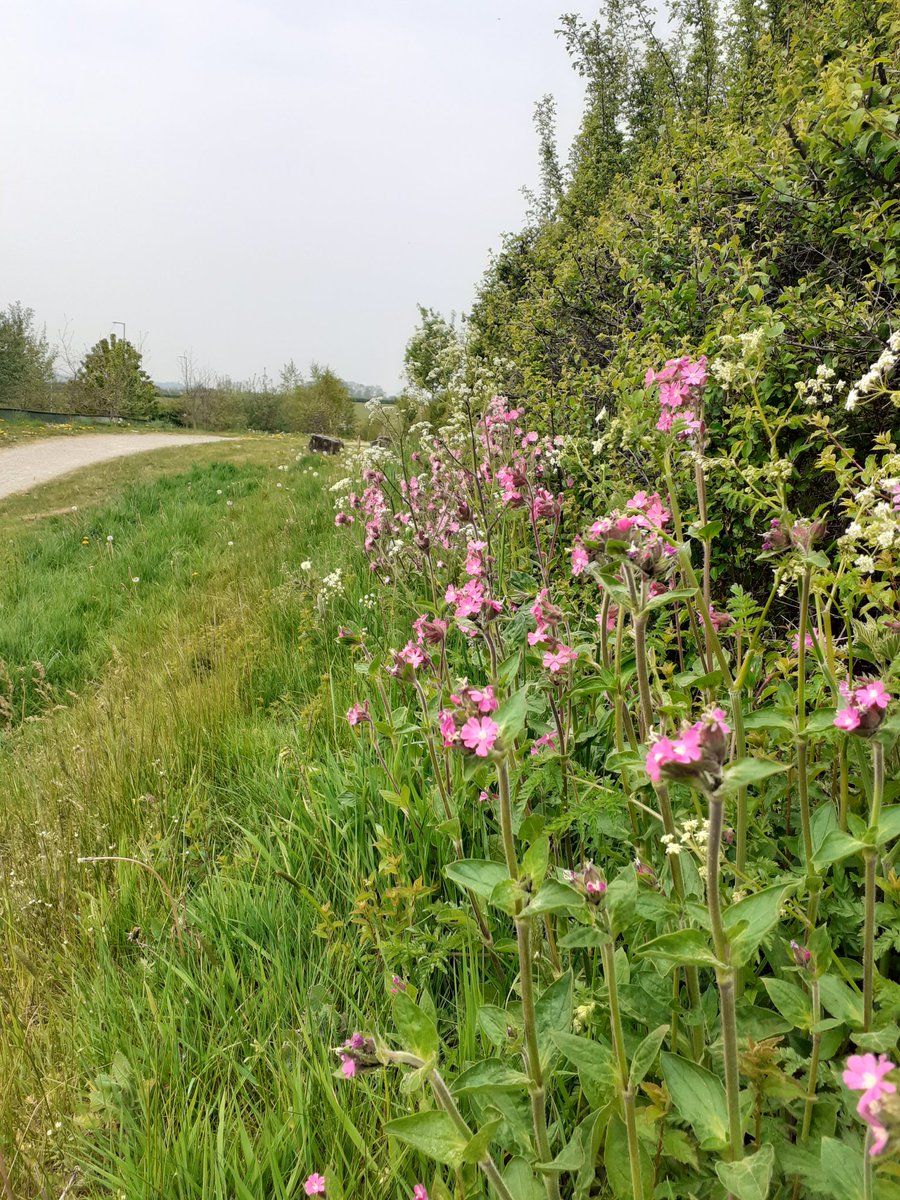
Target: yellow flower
[(85, 541)]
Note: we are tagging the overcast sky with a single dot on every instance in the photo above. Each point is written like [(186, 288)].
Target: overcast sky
[(258, 180)]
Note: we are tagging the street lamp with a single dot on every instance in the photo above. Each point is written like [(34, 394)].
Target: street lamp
[(122, 323)]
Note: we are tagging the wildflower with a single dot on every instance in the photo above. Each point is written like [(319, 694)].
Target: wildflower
[(546, 739), (419, 1192), (397, 985), (306, 565), (358, 713), (802, 956), (447, 726), (480, 734), (315, 1185), (580, 559), (696, 755), (558, 657), (135, 579), (485, 699), (588, 881), (864, 707), (866, 1073), (348, 1066)]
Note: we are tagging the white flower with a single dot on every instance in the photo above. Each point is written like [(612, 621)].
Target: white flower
[(865, 563), (135, 579), (306, 565)]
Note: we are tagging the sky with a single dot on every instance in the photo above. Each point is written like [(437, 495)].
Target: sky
[(253, 181)]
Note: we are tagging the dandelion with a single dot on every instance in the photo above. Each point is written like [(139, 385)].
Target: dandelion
[(315, 1185), (135, 579)]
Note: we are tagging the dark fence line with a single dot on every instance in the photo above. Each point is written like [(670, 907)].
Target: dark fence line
[(55, 418)]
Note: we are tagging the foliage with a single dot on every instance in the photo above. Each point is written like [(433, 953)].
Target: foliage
[(111, 382), (26, 360)]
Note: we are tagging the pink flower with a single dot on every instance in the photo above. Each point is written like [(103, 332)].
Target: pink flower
[(715, 719), (397, 985), (315, 1185), (348, 1066), (447, 726), (480, 734), (343, 519), (485, 699), (847, 719), (356, 1041), (412, 654), (865, 1073), (657, 756), (546, 739), (580, 559), (419, 1192), (871, 695), (555, 660), (358, 713)]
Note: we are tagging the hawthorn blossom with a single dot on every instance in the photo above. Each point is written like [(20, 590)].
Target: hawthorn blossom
[(480, 734)]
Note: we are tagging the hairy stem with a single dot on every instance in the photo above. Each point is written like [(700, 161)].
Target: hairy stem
[(608, 955), (725, 977), (869, 857)]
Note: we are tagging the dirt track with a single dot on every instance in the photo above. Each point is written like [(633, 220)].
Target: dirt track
[(24, 467)]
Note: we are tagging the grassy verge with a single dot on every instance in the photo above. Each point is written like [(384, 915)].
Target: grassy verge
[(169, 1021)]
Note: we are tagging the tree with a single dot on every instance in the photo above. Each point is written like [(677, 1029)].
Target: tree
[(430, 361), (321, 405), (110, 381), (26, 360)]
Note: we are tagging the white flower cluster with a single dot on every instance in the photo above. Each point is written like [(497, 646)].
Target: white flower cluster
[(873, 536), (822, 388), (694, 836), (369, 601), (332, 585), (877, 374)]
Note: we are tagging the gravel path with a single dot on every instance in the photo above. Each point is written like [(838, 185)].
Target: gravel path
[(24, 467)]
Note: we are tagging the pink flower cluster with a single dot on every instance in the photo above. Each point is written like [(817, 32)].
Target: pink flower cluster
[(468, 723), (358, 714), (547, 619), (635, 535), (798, 535), (315, 1185), (357, 1054), (864, 707), (865, 1073), (696, 754), (681, 382)]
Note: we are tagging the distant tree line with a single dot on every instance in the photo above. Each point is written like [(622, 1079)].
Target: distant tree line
[(109, 380)]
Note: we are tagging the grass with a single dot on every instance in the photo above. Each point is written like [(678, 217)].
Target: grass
[(170, 1034)]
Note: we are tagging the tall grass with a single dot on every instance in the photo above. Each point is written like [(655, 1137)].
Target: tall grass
[(169, 1031)]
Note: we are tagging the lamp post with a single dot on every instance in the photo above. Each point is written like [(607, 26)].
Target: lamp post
[(122, 323)]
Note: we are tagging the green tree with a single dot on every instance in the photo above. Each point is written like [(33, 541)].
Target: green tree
[(111, 381), (26, 360), (320, 405), (429, 360)]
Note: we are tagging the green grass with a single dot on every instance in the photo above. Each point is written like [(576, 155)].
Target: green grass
[(192, 722)]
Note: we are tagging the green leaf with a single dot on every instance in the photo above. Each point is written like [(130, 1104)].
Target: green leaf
[(841, 1001), (431, 1133), (477, 1147), (554, 897), (769, 718), (584, 937), (618, 1164), (684, 946), (751, 919), (488, 1076), (416, 1029), (842, 1166), (511, 714), (594, 1062), (746, 771), (553, 1011), (507, 896), (751, 1178), (791, 1001), (699, 1098), (620, 899), (643, 1058), (476, 875), (494, 1023), (889, 824), (835, 847), (521, 1181), (536, 860)]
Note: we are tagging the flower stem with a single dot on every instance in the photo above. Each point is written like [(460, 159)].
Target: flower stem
[(725, 978), (608, 954), (526, 984), (444, 1097), (869, 857)]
